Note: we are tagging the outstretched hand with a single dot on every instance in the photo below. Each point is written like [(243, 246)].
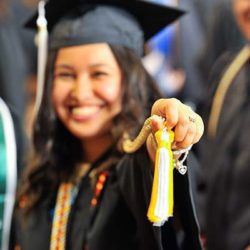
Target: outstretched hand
[(187, 125)]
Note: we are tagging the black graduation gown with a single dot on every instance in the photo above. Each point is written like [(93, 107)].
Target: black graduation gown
[(225, 161), (119, 220)]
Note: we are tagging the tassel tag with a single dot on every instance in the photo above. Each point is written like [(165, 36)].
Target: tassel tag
[(162, 198)]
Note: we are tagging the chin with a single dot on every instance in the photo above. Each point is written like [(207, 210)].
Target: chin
[(82, 135), (88, 132)]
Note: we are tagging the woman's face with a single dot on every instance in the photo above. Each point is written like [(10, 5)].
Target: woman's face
[(242, 14), (87, 89)]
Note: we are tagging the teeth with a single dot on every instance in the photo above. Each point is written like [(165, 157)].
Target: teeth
[(85, 110)]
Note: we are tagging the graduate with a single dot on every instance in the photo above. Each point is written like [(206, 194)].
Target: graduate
[(84, 189)]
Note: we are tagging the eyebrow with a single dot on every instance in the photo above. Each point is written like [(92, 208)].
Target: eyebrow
[(100, 65), (63, 66), (66, 66)]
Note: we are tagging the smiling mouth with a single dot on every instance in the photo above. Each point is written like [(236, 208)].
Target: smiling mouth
[(85, 113)]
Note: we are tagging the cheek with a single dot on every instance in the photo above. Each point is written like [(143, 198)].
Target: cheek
[(59, 95), (110, 92)]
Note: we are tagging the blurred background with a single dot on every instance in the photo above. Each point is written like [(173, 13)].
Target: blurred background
[(180, 58)]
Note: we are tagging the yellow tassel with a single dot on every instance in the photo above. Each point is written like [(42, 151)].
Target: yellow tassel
[(162, 198)]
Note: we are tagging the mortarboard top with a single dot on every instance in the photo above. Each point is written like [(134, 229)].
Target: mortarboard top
[(151, 16), (115, 23), (123, 22)]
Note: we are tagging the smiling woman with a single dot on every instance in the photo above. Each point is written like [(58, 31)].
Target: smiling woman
[(87, 90), (81, 191)]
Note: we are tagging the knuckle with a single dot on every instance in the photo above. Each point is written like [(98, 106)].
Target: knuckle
[(179, 137), (175, 101), (183, 122), (184, 144), (171, 122), (191, 130)]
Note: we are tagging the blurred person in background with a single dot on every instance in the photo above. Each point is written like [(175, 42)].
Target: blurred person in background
[(17, 65), (225, 149), (220, 35), (14, 72), (8, 173), (22, 10), (202, 36), (189, 39)]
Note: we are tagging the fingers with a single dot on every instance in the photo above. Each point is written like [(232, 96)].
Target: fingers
[(187, 125), (157, 123), (199, 128), (167, 108), (151, 147), (188, 137), (182, 127)]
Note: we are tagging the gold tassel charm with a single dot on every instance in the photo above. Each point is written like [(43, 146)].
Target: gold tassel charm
[(129, 146), (162, 198)]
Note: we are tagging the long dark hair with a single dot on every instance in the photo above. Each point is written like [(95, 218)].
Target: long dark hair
[(57, 151)]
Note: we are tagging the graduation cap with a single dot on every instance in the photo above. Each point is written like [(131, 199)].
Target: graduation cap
[(122, 22), (117, 22)]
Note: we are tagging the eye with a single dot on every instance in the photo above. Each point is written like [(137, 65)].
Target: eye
[(66, 76), (99, 74)]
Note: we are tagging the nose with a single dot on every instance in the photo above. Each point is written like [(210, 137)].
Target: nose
[(82, 88)]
